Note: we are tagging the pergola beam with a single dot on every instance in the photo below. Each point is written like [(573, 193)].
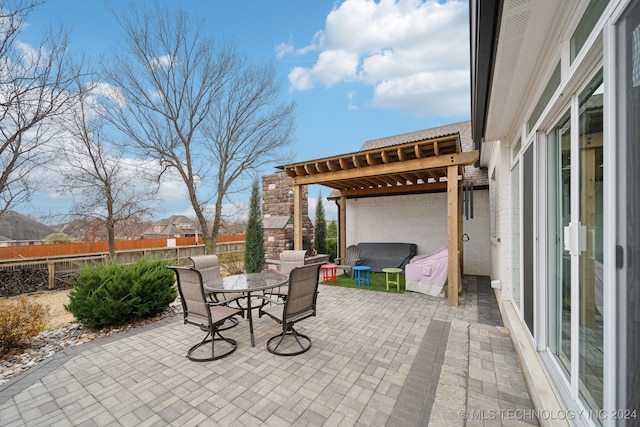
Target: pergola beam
[(347, 172)]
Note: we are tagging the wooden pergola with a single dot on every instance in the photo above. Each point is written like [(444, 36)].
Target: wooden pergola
[(427, 165)]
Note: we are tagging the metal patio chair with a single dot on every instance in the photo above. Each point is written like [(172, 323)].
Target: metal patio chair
[(207, 315), (300, 304), (288, 261), (209, 268)]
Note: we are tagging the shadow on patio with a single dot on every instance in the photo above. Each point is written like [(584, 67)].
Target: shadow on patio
[(377, 359)]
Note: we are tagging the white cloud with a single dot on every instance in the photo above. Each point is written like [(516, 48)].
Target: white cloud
[(172, 187), (161, 61), (352, 105), (110, 92), (29, 56), (300, 79), (396, 47), (283, 49), (330, 209), (447, 90)]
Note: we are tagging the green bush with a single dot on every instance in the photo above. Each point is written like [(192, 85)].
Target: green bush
[(20, 319), (114, 294), (332, 249)]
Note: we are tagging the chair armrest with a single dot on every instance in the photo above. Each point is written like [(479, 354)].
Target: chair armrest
[(212, 303), (224, 297), (268, 301)]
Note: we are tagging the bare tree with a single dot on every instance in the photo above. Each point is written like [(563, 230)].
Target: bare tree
[(105, 185), (36, 90), (199, 107)]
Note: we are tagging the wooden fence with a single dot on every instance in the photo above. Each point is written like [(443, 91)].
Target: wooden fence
[(66, 249), (59, 262)]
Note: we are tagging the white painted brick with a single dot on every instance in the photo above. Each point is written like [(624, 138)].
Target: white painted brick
[(420, 219)]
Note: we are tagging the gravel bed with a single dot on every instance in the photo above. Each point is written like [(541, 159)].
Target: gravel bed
[(47, 343)]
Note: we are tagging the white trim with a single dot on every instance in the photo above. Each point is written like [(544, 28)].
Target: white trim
[(575, 261), (521, 246), (609, 221), (540, 263)]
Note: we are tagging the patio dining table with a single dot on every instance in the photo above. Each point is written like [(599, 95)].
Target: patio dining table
[(246, 284)]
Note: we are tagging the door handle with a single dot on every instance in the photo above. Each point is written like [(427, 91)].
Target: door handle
[(575, 238)]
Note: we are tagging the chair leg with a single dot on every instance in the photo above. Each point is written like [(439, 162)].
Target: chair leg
[(215, 336), (304, 345)]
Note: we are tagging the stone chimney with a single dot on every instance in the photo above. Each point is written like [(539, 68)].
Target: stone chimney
[(277, 215)]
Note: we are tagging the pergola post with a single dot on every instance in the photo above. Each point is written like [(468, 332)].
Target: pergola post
[(342, 220), (297, 217), (460, 230), (453, 213)]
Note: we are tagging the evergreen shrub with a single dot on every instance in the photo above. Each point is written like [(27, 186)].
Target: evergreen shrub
[(254, 251), (114, 294)]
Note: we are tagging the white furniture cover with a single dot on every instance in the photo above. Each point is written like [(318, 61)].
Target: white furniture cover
[(428, 273)]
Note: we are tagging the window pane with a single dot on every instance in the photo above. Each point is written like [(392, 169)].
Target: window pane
[(552, 85), (591, 267), (588, 21), (559, 261)]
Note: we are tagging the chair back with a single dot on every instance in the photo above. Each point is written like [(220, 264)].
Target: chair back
[(207, 265), (290, 260), (194, 304), (303, 292), (353, 254)]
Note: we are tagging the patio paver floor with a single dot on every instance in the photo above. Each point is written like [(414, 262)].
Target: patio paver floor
[(377, 359)]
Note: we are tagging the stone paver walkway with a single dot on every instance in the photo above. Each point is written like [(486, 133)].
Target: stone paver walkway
[(378, 359)]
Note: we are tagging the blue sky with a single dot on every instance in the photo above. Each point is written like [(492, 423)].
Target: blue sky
[(357, 69)]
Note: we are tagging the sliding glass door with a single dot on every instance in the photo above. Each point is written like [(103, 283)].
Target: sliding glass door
[(575, 244)]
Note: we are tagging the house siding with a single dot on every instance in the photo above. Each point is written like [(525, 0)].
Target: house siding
[(502, 252), (423, 222)]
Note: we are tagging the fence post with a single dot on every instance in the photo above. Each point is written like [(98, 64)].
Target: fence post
[(51, 267)]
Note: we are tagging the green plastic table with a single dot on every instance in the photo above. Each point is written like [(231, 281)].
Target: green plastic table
[(390, 281)]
